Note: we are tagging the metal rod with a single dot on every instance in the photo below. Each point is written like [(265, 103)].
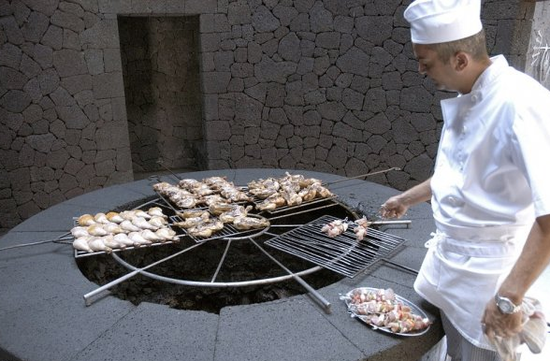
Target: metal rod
[(168, 169), (362, 175), (53, 240), (115, 282), (403, 267), (303, 211), (222, 260), (316, 295)]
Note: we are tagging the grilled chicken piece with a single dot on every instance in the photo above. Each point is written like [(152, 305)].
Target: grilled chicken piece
[(246, 223), (236, 211), (193, 221), (219, 208), (206, 229), (192, 213)]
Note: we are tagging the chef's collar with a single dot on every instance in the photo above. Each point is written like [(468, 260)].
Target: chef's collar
[(498, 63)]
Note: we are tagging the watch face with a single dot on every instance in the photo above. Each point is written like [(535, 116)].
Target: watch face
[(505, 306)]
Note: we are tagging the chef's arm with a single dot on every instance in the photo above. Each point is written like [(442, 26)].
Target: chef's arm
[(534, 258), (397, 206)]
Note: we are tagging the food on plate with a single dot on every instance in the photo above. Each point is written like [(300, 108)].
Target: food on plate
[(382, 308), (335, 228)]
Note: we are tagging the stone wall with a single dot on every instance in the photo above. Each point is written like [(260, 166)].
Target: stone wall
[(326, 85)]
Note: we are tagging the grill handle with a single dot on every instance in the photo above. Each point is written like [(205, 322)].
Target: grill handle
[(361, 176), (312, 291)]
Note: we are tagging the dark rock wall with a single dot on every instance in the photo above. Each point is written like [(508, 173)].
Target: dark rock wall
[(326, 85)]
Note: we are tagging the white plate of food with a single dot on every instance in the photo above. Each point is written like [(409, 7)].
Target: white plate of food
[(386, 311)]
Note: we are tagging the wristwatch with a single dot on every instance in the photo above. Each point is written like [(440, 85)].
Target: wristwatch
[(505, 305)]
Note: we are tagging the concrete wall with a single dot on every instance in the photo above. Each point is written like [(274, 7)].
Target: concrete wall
[(326, 85)]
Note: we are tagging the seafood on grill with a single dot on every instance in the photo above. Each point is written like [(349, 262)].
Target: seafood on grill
[(381, 308), (335, 228), (245, 223), (206, 229), (81, 244), (114, 217)]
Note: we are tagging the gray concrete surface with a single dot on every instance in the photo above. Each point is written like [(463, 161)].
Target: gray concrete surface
[(43, 316)]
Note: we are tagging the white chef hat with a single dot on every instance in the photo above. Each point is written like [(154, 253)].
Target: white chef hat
[(441, 21)]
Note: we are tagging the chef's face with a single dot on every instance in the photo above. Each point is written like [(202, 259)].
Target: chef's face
[(429, 63)]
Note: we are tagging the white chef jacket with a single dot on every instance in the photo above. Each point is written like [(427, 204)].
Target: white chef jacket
[(491, 179)]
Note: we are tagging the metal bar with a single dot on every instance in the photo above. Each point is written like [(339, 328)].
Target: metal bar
[(403, 267), (221, 261), (304, 211), (316, 295), (115, 282), (168, 169), (53, 240), (362, 175)]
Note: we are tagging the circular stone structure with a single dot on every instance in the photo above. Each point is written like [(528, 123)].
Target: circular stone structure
[(44, 316)]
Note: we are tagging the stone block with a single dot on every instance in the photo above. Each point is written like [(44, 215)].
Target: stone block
[(11, 30), (67, 20), (217, 130), (215, 82), (193, 7), (238, 12), (69, 62), (108, 85), (15, 101), (35, 27), (12, 79), (116, 6), (320, 19), (73, 116), (264, 21), (103, 35), (77, 83), (53, 37)]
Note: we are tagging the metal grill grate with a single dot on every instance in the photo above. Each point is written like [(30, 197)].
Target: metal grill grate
[(342, 254)]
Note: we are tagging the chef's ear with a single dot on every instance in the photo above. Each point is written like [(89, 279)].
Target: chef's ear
[(461, 61)]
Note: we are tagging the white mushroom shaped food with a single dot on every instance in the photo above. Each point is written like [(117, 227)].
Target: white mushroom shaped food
[(156, 212), (127, 215), (110, 242), (114, 217), (113, 228), (150, 235), (86, 220), (140, 213), (101, 218), (129, 226), (142, 223), (122, 238), (97, 230), (97, 244), (79, 231), (138, 239), (81, 244), (167, 234), (157, 222)]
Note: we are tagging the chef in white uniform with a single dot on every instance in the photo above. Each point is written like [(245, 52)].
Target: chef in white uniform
[(490, 190)]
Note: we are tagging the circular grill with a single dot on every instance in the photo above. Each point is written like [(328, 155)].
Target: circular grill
[(291, 256)]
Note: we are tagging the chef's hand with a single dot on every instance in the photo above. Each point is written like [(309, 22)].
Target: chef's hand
[(394, 207), (497, 324)]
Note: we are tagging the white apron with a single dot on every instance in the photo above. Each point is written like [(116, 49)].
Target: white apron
[(461, 277)]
